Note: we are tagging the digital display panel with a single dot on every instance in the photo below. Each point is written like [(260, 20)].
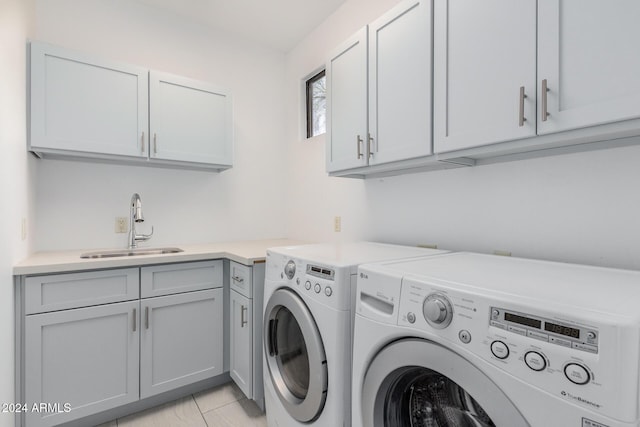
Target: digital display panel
[(532, 323), (562, 330)]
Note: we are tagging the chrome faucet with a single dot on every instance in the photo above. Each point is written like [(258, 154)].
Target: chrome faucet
[(135, 215)]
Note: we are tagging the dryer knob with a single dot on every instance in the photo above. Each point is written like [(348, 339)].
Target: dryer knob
[(437, 311), (290, 270)]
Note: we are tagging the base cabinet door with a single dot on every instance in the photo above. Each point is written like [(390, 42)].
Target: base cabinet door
[(79, 362), (241, 338), (181, 340)]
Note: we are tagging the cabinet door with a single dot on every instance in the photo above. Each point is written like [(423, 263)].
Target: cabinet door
[(86, 105), (241, 334), (588, 55), (181, 340), (86, 357), (346, 71), (400, 83), (191, 121), (484, 52)]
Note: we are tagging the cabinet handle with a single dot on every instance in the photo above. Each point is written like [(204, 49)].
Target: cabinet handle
[(545, 89), (155, 143), (370, 145), (359, 144), (142, 143), (135, 321), (237, 279), (521, 118), (146, 317), (242, 319)]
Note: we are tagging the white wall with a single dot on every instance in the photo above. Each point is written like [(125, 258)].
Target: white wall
[(77, 202), (579, 208), (16, 19)]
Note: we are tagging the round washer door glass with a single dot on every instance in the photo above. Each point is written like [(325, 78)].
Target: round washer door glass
[(404, 386), (295, 356)]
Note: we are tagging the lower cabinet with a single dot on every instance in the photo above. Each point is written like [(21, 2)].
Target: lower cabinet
[(241, 342), (80, 362), (180, 340), (94, 356)]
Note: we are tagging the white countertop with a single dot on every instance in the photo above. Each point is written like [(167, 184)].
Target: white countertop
[(244, 252)]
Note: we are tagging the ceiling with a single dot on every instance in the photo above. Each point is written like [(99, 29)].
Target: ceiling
[(279, 24)]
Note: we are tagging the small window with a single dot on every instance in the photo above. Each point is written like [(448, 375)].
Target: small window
[(316, 105)]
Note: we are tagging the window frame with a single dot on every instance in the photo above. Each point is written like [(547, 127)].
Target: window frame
[(309, 101)]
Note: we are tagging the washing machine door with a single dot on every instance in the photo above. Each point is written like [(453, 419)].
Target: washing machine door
[(415, 382), (295, 355)]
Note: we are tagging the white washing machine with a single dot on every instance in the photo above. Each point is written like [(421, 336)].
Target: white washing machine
[(479, 340), (308, 320)]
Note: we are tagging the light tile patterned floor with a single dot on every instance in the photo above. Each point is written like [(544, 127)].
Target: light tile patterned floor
[(223, 406)]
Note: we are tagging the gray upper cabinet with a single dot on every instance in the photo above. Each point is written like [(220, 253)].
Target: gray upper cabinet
[(181, 340), (85, 106), (87, 357), (508, 70), (484, 56), (588, 58), (379, 92), (190, 121)]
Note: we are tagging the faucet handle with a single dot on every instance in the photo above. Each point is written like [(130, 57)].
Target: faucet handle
[(144, 236)]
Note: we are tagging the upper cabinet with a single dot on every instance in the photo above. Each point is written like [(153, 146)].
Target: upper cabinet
[(86, 105), (588, 61), (190, 120), (506, 70), (379, 91), (82, 106)]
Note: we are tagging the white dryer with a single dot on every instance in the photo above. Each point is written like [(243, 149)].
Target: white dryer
[(308, 322), (479, 340)]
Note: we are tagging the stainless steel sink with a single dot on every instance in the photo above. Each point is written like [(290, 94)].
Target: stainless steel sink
[(130, 252)]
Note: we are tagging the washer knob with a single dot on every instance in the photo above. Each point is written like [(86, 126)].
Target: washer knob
[(437, 311), (290, 269)]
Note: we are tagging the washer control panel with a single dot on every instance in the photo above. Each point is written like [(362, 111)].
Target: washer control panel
[(564, 334)]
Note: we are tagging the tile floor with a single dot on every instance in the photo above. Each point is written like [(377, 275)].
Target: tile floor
[(223, 406)]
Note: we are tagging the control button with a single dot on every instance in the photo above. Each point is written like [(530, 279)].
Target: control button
[(576, 373), (290, 269), (517, 330), (328, 291), (437, 311), (591, 335), (411, 317), (495, 313), (585, 347), (535, 360), (307, 285), (560, 341), (317, 288), (538, 335), (498, 325), (499, 349), (297, 281), (465, 336)]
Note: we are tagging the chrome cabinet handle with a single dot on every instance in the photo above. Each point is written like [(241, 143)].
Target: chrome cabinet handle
[(237, 279), (142, 143), (359, 144), (146, 317), (545, 89), (155, 143), (370, 145), (242, 319), (134, 320), (521, 118)]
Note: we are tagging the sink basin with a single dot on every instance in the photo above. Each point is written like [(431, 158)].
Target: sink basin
[(130, 252)]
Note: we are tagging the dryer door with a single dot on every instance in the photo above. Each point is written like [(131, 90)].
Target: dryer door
[(295, 355), (415, 382)]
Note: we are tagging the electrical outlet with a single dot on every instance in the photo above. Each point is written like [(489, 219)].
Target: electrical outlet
[(122, 224), (337, 224)]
